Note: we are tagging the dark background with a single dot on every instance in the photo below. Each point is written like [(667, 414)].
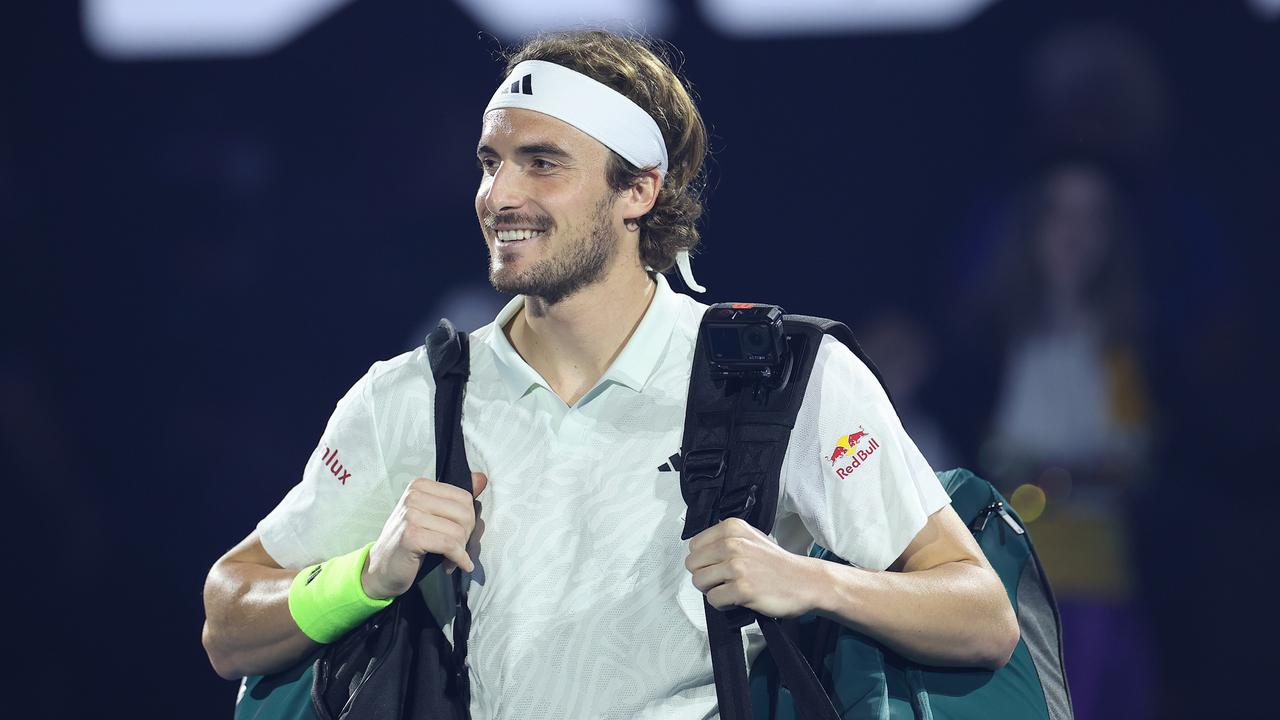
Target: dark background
[(200, 257)]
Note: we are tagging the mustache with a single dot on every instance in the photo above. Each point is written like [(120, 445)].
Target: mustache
[(539, 222)]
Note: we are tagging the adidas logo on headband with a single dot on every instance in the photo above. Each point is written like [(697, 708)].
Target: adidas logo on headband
[(523, 86)]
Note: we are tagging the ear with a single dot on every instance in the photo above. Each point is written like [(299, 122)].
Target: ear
[(639, 199)]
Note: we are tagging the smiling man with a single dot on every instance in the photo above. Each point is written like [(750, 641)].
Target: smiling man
[(585, 602)]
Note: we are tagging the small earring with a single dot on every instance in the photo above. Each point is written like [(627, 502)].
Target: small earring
[(631, 224)]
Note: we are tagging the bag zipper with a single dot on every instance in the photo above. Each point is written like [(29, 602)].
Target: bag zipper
[(997, 508)]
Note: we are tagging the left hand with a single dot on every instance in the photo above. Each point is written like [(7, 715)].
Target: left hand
[(735, 564)]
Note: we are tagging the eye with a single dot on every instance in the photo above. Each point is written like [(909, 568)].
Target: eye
[(542, 164), (487, 164)]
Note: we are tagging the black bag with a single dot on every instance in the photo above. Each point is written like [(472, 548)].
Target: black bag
[(397, 665)]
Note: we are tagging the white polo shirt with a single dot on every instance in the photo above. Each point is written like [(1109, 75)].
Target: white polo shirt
[(581, 604)]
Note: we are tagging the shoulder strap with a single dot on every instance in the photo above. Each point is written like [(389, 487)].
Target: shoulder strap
[(449, 352), (735, 440), (841, 332), (450, 358)]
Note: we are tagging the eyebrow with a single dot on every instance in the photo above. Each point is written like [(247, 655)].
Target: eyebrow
[(545, 147)]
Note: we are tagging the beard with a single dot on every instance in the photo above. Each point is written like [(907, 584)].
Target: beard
[(579, 263)]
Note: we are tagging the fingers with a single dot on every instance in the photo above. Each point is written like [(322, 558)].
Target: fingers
[(442, 500), (428, 533), (726, 584), (440, 519), (479, 481), (715, 552), (718, 561), (439, 489), (731, 527), (724, 596), (709, 577)]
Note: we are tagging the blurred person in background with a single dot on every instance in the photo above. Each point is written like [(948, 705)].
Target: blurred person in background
[(1069, 438), (1102, 89)]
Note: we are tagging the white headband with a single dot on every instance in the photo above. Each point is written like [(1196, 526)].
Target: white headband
[(597, 110), (593, 107)]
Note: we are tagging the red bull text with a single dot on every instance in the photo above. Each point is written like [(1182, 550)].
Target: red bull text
[(858, 457)]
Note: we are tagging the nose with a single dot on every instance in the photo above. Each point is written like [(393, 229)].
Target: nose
[(505, 189)]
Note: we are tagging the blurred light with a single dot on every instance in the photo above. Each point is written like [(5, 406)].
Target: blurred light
[(168, 29), (1056, 482), (1268, 9), (516, 19), (1028, 501), (768, 18), (147, 29)]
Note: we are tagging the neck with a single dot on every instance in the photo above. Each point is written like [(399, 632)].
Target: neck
[(573, 342)]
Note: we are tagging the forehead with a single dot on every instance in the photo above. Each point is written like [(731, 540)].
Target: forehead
[(517, 126)]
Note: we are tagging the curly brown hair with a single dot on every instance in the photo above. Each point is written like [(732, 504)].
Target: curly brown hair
[(645, 71)]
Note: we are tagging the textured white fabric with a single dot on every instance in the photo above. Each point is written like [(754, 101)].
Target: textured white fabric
[(591, 106), (581, 604)]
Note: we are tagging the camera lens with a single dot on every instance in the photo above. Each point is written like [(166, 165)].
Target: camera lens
[(755, 340)]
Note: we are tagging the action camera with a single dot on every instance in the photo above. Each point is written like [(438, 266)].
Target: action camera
[(746, 341)]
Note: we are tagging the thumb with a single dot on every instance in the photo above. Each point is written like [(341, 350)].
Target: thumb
[(478, 483)]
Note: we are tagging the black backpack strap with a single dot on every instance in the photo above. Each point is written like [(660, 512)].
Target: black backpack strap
[(718, 483), (735, 440), (729, 661), (806, 689), (841, 332), (449, 353)]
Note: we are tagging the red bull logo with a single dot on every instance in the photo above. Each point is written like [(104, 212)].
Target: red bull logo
[(852, 450)]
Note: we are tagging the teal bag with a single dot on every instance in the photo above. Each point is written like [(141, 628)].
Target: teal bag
[(865, 681), (284, 695)]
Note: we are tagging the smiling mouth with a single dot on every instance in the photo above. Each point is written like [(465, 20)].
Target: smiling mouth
[(505, 237)]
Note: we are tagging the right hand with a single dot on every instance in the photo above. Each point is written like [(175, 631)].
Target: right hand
[(431, 517)]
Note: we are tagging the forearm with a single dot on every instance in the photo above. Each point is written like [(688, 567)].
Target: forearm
[(248, 628), (956, 614)]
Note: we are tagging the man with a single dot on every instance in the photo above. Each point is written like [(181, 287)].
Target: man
[(585, 601)]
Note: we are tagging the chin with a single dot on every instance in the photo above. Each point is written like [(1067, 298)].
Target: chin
[(504, 279)]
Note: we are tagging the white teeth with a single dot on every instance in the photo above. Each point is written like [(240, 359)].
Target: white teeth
[(511, 235)]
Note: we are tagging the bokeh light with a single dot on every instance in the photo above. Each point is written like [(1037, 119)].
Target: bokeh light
[(1029, 501)]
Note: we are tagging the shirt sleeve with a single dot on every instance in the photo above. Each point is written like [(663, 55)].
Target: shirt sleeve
[(341, 502), (857, 482)]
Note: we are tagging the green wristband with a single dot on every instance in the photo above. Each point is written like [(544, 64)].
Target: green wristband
[(327, 599)]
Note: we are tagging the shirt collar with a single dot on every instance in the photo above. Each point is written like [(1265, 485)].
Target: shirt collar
[(634, 365)]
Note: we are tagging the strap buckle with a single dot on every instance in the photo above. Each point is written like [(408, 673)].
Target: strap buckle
[(739, 504), (703, 466)]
